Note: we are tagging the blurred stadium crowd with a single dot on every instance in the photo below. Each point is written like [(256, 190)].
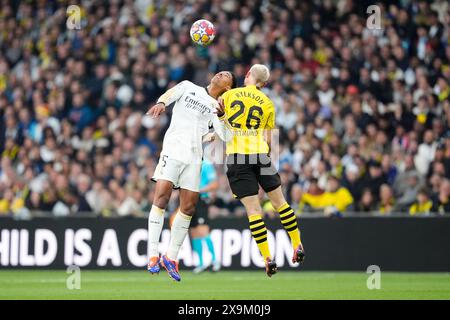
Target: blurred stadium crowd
[(364, 114)]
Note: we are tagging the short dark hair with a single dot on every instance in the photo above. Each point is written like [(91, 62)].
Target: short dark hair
[(424, 191), (233, 80), (333, 177)]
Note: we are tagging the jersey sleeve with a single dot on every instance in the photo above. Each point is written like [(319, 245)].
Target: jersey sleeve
[(174, 93)]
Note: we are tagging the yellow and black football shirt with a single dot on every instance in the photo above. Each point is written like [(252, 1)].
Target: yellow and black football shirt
[(250, 112)]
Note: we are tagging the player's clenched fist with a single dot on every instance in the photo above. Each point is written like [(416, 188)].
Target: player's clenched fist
[(156, 110)]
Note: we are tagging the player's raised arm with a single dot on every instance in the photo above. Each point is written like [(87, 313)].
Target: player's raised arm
[(170, 96)]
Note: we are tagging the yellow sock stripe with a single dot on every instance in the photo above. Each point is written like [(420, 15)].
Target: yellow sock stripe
[(283, 207), (264, 236), (289, 224), (261, 240), (259, 234), (288, 213), (288, 220), (254, 217), (258, 229), (257, 224), (291, 227)]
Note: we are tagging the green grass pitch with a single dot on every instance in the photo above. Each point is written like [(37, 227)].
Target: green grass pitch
[(233, 285)]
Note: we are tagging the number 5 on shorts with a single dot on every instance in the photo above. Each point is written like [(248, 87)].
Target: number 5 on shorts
[(163, 160)]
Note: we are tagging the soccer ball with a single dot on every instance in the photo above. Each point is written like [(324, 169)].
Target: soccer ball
[(202, 32)]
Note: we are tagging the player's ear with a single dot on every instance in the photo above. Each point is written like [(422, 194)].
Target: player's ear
[(261, 85)]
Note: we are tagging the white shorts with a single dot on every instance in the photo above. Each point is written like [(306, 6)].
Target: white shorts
[(182, 175)]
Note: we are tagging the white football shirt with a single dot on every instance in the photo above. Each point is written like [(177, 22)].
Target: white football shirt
[(192, 116)]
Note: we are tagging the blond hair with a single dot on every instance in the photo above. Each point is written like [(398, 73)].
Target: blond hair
[(260, 74)]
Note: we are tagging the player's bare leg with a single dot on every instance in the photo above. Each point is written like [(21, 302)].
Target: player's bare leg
[(259, 231), (289, 221), (163, 191), (179, 230)]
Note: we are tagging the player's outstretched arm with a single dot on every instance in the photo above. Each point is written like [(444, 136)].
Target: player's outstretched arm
[(156, 110), (170, 96)]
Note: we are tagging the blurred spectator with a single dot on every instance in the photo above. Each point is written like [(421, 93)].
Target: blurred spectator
[(441, 200), (425, 153), (407, 169), (422, 205), (412, 188), (6, 202), (296, 196), (83, 186), (353, 182), (374, 178), (387, 201), (335, 199), (367, 202)]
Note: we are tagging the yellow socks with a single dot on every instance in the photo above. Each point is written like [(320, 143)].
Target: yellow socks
[(289, 221), (259, 230), (259, 233)]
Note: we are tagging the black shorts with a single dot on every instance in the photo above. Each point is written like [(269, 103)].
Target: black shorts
[(200, 216), (247, 172)]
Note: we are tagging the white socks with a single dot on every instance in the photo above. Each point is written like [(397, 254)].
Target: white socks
[(180, 227), (179, 230), (155, 225)]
